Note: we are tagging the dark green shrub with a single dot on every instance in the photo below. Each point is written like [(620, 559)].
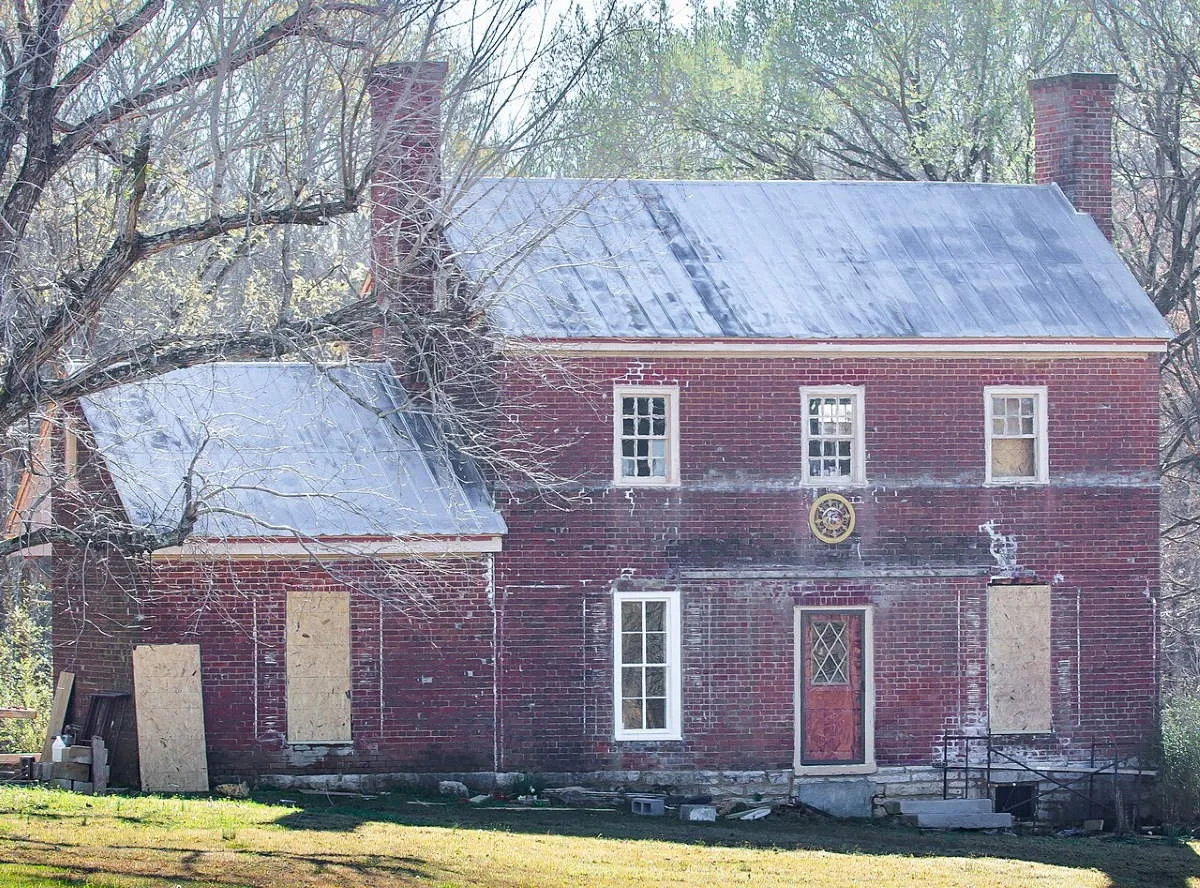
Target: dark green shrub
[(1179, 782)]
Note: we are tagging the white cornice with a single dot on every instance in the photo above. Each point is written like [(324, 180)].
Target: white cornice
[(905, 348), (327, 549)]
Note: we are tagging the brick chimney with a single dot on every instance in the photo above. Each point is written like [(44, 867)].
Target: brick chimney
[(1072, 127), (406, 116)]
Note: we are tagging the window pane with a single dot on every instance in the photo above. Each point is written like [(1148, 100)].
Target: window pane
[(631, 682), (628, 468), (631, 647), (643, 425), (629, 448), (627, 426), (656, 647), (656, 714), (660, 426), (656, 616), (631, 714), (656, 681), (628, 406), (631, 616)]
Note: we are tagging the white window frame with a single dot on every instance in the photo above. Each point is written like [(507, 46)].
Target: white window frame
[(674, 729), (671, 393), (1041, 445), (858, 453)]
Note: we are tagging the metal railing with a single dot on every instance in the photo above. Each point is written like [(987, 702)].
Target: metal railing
[(985, 754)]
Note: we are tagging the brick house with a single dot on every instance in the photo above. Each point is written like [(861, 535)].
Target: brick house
[(853, 466)]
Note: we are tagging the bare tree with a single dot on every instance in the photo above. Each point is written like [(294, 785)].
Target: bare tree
[(182, 183)]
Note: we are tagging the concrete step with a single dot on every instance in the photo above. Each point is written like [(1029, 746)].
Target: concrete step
[(945, 806), (964, 821)]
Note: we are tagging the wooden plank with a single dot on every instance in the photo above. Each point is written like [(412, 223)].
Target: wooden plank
[(99, 765), (318, 667), (14, 758), (1018, 651), (58, 711), (169, 702), (18, 713)]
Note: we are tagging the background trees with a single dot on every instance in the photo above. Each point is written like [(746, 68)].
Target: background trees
[(930, 89)]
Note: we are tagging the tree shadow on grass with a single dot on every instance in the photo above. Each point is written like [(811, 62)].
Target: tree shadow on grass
[(1128, 862), (191, 861)]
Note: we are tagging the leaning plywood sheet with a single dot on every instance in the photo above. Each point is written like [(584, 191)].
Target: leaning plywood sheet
[(318, 667), (1018, 659), (58, 711), (170, 718)]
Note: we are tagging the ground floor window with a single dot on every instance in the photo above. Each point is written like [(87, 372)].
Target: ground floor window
[(646, 665)]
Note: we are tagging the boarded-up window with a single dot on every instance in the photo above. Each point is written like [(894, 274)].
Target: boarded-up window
[(318, 667), (170, 718), (1018, 659)]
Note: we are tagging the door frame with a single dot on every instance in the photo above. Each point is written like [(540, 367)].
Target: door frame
[(867, 766)]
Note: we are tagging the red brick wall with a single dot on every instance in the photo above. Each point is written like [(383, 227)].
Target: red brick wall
[(1092, 534), (1073, 119), (434, 678)]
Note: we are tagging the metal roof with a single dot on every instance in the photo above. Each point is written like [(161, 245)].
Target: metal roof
[(285, 450), (567, 259)]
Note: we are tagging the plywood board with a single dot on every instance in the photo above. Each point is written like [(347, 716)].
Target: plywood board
[(170, 718), (58, 711), (1018, 659), (318, 667)]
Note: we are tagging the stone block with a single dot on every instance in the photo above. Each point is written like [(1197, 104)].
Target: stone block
[(838, 799), (453, 788), (698, 813)]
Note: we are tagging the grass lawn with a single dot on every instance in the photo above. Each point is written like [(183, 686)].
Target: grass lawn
[(50, 839)]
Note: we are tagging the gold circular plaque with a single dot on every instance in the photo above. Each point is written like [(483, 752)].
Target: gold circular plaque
[(831, 518)]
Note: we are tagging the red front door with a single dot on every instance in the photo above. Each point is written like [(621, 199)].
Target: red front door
[(832, 705)]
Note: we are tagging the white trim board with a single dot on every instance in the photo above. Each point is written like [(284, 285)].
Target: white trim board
[(674, 728), (327, 550), (909, 348), (671, 394)]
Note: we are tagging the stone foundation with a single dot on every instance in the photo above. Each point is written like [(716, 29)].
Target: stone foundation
[(772, 787)]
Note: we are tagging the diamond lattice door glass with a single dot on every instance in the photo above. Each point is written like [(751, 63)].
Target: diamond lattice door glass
[(830, 653)]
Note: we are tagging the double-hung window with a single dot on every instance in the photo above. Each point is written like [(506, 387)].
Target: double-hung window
[(1016, 439), (646, 687), (646, 436), (833, 435)]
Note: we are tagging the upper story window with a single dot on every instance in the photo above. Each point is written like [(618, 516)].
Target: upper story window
[(1016, 439), (646, 685), (646, 436), (834, 439)]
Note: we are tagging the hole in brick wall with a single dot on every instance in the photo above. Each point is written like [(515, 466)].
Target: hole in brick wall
[(1017, 799)]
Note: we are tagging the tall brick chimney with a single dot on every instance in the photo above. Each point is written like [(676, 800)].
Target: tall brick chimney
[(1072, 128), (406, 117)]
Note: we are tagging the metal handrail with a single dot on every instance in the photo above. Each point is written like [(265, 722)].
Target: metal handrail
[(1115, 760)]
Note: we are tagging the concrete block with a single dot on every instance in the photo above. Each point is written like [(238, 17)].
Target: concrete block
[(838, 799), (647, 806), (698, 813), (965, 821), (946, 806)]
